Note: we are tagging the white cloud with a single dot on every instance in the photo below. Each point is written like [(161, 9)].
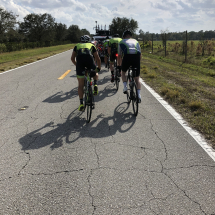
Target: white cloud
[(152, 15)]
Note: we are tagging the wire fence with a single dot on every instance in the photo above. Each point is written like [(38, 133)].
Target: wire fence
[(185, 48)]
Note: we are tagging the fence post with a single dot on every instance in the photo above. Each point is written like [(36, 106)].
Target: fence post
[(152, 43), (186, 47), (165, 44)]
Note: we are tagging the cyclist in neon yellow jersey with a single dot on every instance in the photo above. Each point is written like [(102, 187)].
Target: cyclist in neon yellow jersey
[(82, 57), (105, 49), (129, 48), (112, 51)]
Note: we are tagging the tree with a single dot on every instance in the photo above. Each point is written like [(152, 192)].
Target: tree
[(60, 31), (74, 33), (7, 22), (119, 25), (38, 27), (85, 32)]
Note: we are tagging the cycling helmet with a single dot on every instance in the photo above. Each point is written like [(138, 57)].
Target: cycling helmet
[(116, 35), (85, 39), (126, 32), (107, 38)]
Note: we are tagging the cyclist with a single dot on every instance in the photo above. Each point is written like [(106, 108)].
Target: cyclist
[(129, 48), (84, 52), (112, 51), (105, 49)]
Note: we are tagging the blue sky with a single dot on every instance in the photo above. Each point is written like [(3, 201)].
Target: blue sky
[(151, 15)]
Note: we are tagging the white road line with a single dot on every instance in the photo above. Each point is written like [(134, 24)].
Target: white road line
[(195, 134), (33, 62)]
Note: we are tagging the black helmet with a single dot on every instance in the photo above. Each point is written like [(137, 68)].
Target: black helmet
[(107, 37), (126, 32), (85, 39), (116, 35)]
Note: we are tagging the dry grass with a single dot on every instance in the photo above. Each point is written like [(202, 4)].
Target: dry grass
[(189, 88)]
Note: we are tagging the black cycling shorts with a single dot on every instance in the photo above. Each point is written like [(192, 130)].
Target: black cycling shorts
[(82, 62), (106, 52), (113, 56), (131, 60)]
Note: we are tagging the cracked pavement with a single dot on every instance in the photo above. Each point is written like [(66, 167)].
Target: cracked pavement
[(52, 162)]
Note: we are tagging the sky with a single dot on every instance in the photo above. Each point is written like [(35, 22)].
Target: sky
[(152, 15)]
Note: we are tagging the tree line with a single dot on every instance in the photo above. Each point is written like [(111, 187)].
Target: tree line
[(192, 35), (36, 30)]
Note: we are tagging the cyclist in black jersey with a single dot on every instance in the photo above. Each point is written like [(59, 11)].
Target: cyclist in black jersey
[(113, 53), (82, 57)]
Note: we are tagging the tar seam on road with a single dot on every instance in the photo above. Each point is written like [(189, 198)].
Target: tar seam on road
[(64, 75), (196, 135), (32, 63)]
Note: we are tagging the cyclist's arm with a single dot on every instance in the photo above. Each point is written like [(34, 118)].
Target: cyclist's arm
[(97, 58), (73, 57)]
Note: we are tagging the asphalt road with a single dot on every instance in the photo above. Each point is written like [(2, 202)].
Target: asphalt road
[(53, 162)]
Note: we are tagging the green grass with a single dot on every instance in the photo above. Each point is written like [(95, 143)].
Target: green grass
[(189, 88), (15, 59)]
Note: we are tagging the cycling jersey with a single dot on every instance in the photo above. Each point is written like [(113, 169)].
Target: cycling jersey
[(129, 46), (84, 48), (113, 44), (106, 43), (84, 58)]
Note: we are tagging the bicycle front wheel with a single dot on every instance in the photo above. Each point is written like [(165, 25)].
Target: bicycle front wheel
[(135, 99), (89, 104)]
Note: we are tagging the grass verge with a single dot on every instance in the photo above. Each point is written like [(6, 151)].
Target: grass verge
[(189, 88), (19, 58)]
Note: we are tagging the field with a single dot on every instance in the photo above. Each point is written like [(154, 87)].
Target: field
[(18, 58), (189, 87)]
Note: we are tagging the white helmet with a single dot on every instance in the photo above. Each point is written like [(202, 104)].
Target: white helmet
[(85, 39)]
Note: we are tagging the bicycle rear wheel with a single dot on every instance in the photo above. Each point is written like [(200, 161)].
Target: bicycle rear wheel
[(135, 99), (128, 91), (85, 94), (116, 76), (89, 104)]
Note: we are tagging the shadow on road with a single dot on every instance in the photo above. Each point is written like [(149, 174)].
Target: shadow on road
[(108, 91), (61, 97), (76, 128)]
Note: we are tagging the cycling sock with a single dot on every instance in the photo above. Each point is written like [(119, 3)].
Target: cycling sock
[(81, 101), (138, 92), (95, 82), (125, 84), (112, 72)]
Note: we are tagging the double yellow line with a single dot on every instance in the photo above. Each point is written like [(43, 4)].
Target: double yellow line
[(64, 75)]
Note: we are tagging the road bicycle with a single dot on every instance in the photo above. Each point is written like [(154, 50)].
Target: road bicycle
[(89, 103), (132, 89)]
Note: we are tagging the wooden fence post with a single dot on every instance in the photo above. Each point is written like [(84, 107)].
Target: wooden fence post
[(165, 44), (152, 43), (186, 47)]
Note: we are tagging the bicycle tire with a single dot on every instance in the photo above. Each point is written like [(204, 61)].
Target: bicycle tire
[(116, 76), (128, 91), (89, 103), (85, 94), (135, 99)]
